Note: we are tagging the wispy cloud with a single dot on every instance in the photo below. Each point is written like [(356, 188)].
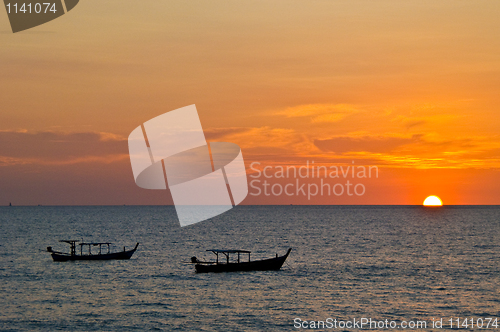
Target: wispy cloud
[(343, 144), (220, 133), (320, 112), (416, 151), (419, 121), (50, 148)]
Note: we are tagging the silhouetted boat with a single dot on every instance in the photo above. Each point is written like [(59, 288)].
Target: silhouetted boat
[(228, 266), (88, 256)]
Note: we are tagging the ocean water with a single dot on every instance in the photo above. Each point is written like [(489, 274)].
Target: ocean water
[(402, 264)]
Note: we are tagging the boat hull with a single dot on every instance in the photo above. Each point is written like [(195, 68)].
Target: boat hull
[(62, 257), (261, 265)]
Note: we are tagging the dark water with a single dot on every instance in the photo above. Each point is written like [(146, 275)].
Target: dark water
[(395, 263)]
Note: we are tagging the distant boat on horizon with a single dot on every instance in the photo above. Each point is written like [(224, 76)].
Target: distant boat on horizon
[(90, 256)]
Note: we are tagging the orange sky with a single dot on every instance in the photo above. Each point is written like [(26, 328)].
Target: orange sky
[(408, 86)]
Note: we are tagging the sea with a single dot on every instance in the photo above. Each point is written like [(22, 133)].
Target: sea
[(390, 266)]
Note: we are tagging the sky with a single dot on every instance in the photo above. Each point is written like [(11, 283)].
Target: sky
[(410, 87)]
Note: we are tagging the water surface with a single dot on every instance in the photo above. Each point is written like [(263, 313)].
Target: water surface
[(380, 262)]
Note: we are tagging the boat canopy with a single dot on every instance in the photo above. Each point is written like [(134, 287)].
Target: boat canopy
[(226, 253), (86, 243), (229, 251), (73, 243)]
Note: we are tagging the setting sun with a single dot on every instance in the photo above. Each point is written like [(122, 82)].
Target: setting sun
[(433, 201)]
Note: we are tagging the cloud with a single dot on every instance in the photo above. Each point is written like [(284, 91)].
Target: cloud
[(264, 142), (417, 151), (437, 117), (344, 144), (255, 137), (212, 134), (320, 112), (414, 123), (25, 147)]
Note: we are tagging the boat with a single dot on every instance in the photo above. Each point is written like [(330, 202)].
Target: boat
[(87, 254), (226, 265)]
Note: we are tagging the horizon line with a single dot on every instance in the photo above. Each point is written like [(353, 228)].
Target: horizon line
[(92, 205)]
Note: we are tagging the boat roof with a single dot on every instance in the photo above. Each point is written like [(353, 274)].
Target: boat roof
[(229, 251), (84, 243)]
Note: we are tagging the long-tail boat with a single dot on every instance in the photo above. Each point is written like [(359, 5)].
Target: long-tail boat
[(87, 254), (226, 265)]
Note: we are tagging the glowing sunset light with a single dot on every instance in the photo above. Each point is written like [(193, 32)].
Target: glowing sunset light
[(390, 93), (433, 201)]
